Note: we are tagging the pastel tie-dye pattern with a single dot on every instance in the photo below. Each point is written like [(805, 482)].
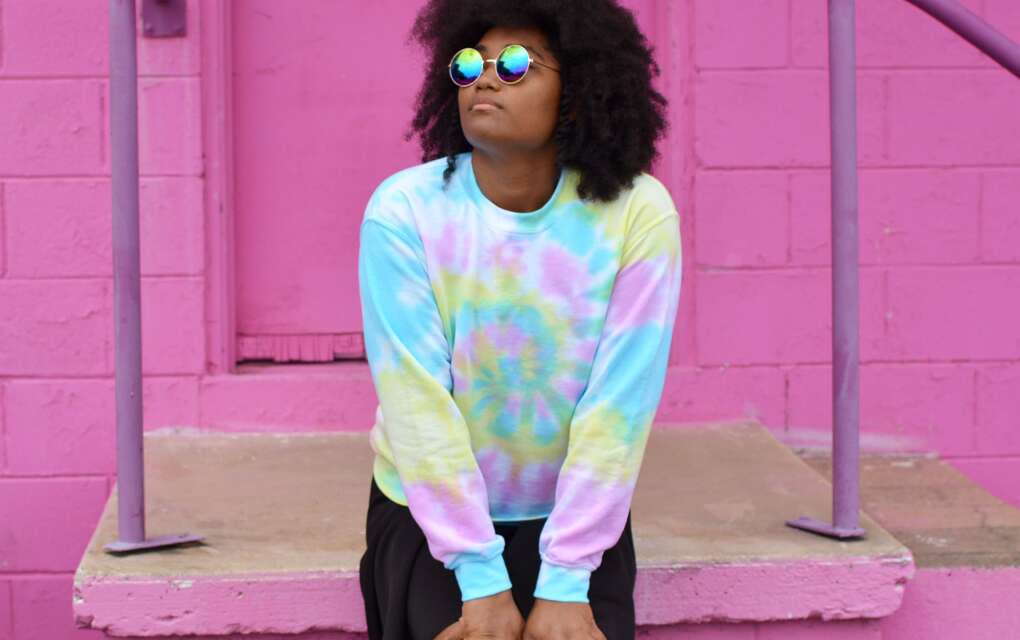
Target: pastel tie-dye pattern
[(519, 359)]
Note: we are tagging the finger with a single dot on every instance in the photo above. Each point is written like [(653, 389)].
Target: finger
[(453, 632)]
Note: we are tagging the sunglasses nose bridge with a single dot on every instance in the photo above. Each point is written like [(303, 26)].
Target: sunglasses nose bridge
[(494, 79)]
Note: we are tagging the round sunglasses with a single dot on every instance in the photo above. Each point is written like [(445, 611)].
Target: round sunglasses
[(512, 65)]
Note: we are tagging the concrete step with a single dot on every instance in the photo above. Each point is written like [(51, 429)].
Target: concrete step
[(283, 519), (965, 543)]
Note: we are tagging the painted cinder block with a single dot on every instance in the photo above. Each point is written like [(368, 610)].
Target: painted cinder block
[(783, 317), (54, 37), (59, 38), (946, 603), (170, 401), (952, 118), (70, 426), (889, 34), (56, 327), (58, 228), (905, 216), (811, 217), (63, 228), (723, 393), (741, 218), (3, 230), (3, 429), (700, 631), (778, 119), (903, 407), (1000, 215), (345, 401), (925, 216), (173, 331), (6, 613), (952, 313), (169, 126), (171, 228), (46, 523), (51, 127), (820, 629), (775, 316), (998, 408), (740, 34), (761, 118), (682, 347), (61, 427), (897, 34), (43, 609)]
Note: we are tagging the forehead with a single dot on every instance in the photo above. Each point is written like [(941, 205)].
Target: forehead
[(498, 37)]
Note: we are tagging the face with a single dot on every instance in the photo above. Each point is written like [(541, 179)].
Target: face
[(526, 113)]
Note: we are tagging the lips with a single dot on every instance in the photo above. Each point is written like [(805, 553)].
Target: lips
[(485, 101)]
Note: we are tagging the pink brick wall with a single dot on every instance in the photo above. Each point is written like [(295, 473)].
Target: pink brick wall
[(57, 457), (939, 248), (939, 231)]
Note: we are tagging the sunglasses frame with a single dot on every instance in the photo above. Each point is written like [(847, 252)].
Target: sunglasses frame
[(531, 61)]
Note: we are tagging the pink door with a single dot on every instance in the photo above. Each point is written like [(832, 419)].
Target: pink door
[(322, 92)]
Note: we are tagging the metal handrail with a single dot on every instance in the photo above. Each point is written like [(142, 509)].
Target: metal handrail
[(974, 30), (845, 302)]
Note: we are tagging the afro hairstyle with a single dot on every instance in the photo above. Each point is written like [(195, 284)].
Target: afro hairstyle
[(610, 115)]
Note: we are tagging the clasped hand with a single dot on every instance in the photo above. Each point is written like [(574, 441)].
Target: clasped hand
[(496, 617)]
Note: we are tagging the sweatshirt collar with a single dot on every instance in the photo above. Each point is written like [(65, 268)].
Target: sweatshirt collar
[(504, 219)]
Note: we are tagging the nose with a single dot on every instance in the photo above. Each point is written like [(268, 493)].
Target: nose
[(488, 79)]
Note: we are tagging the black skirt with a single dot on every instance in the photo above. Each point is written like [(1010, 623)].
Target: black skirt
[(409, 595)]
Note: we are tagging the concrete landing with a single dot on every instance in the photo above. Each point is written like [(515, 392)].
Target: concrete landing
[(940, 514), (283, 517)]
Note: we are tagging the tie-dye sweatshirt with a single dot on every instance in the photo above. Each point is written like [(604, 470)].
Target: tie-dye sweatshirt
[(519, 359)]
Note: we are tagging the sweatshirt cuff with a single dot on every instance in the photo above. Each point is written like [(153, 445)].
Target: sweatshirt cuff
[(564, 584), (480, 578)]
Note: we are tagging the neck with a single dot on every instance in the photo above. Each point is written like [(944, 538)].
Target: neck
[(519, 182)]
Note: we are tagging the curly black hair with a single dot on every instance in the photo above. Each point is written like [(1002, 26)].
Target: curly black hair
[(610, 115)]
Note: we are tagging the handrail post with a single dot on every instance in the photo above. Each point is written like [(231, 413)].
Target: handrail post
[(127, 287), (845, 298)]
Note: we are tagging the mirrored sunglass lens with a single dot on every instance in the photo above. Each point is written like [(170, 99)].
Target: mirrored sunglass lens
[(512, 63), (466, 66)]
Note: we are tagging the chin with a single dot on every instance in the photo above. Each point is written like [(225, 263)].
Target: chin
[(485, 139)]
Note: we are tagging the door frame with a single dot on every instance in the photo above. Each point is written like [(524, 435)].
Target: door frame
[(218, 186)]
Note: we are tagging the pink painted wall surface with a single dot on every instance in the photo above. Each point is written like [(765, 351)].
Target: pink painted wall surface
[(746, 161)]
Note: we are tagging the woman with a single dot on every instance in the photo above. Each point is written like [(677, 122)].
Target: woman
[(518, 290)]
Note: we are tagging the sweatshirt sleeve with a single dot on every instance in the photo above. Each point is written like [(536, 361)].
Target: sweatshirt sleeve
[(613, 416), (409, 358)]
